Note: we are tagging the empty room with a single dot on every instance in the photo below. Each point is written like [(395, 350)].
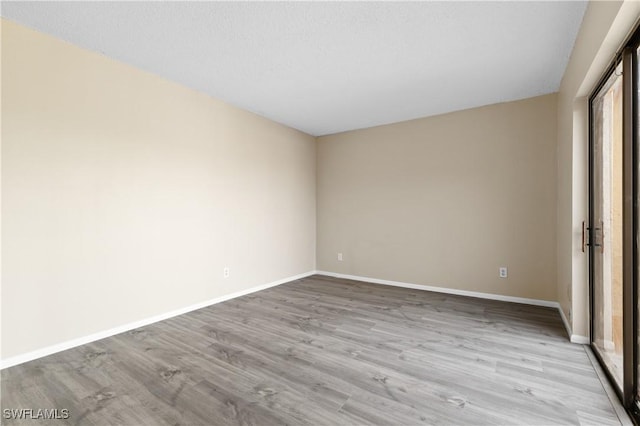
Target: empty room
[(320, 213)]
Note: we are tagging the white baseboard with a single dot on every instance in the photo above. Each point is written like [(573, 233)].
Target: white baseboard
[(565, 321), (574, 338), (579, 339), (537, 302), (39, 353)]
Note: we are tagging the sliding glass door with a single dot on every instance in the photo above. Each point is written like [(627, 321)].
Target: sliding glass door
[(636, 195), (605, 226), (633, 176), (611, 232)]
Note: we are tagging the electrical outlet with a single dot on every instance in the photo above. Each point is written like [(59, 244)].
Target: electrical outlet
[(503, 272), (225, 272), (340, 257)]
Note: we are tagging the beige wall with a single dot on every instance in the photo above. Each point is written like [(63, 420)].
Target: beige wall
[(446, 200), (125, 195), (604, 28)]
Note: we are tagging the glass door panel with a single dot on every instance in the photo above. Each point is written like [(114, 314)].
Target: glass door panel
[(605, 225), (636, 195)]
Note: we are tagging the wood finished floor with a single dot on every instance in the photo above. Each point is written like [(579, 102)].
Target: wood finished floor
[(325, 351)]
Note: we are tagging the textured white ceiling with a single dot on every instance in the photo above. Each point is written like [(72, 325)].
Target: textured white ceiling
[(329, 67)]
